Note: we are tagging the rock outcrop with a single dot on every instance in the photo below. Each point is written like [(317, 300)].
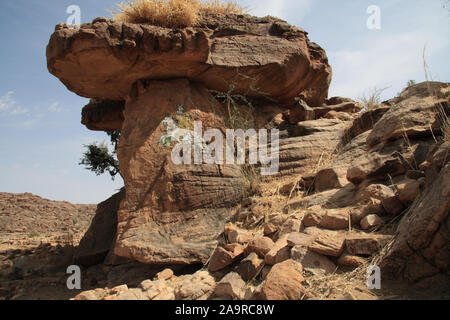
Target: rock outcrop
[(139, 75), (258, 56), (421, 250), (347, 175)]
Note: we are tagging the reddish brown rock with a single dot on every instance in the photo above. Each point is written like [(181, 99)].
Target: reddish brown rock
[(118, 289), (393, 206), (131, 295), (393, 158), (250, 266), (335, 219), (199, 285), (223, 257), (284, 282), (282, 61), (373, 193), (421, 249), (326, 242), (309, 142), (171, 213), (327, 179), (90, 295), (441, 157), (312, 262), (349, 260), (338, 115), (166, 274), (364, 123), (292, 224), (301, 112), (274, 223), (260, 246), (161, 291), (298, 238), (103, 115), (236, 235), (279, 252), (371, 222), (338, 104), (416, 108), (408, 191), (312, 218), (366, 244), (230, 287)]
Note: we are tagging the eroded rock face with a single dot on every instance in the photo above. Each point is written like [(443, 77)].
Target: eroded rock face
[(100, 237), (413, 114), (104, 59), (421, 249), (309, 143), (171, 213), (104, 115)]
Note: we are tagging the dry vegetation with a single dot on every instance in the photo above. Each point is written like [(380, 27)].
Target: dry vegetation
[(373, 100), (442, 115), (171, 13)]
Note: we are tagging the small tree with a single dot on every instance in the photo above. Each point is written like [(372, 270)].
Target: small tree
[(99, 159)]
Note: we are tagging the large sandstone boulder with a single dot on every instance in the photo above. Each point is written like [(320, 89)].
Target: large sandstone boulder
[(258, 56), (414, 114)]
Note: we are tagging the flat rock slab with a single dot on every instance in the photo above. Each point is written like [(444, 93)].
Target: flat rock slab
[(366, 244), (326, 242), (105, 58), (313, 262), (299, 238)]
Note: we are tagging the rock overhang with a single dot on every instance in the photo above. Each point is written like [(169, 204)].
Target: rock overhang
[(259, 57)]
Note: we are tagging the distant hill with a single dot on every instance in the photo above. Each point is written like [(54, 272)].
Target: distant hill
[(36, 216)]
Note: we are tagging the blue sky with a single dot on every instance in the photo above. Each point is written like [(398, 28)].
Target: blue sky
[(41, 138)]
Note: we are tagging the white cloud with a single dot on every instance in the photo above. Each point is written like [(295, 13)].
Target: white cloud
[(31, 121), (25, 117), (18, 111), (283, 9), (9, 105), (7, 101), (54, 107), (266, 7), (387, 61)]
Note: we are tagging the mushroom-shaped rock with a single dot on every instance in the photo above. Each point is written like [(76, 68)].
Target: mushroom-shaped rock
[(255, 56), (153, 84)]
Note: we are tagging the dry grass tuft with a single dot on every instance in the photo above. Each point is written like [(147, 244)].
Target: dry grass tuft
[(373, 100), (171, 13), (217, 6), (442, 115)]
